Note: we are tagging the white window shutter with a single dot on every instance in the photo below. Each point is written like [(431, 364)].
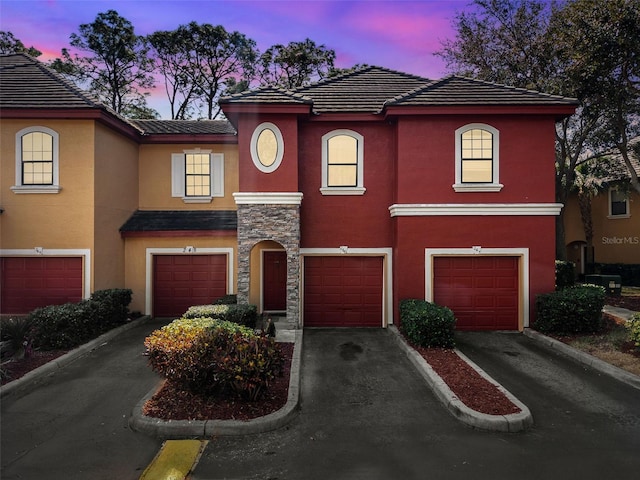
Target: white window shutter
[(217, 174), (177, 174)]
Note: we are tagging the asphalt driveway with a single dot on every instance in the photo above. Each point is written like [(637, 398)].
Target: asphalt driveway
[(366, 414)]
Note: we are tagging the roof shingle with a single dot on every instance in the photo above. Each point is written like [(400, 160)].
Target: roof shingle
[(173, 220)]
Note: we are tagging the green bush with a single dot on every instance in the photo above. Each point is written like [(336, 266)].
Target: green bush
[(634, 330), (229, 299), (565, 274), (113, 306), (214, 357), (61, 327), (572, 310), (427, 324), (246, 315), (16, 331)]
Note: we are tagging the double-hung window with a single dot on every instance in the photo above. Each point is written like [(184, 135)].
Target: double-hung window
[(36, 161), (342, 163), (197, 175), (477, 159), (618, 204)]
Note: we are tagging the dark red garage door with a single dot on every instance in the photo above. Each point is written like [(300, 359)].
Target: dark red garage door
[(343, 291), (181, 281), (31, 282), (481, 291)]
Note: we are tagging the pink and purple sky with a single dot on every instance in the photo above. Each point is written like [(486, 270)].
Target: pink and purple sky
[(401, 35)]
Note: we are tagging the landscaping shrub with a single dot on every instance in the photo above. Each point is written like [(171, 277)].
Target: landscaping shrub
[(565, 274), (246, 315), (634, 330), (572, 310), (427, 324), (210, 357), (61, 327), (113, 306), (229, 299), (17, 332)]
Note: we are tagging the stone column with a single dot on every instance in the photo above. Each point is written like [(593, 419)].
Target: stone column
[(270, 216)]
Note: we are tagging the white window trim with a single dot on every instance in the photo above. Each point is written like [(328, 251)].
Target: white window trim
[(523, 270), (495, 185), (387, 267), (254, 147), (19, 187), (359, 188), (178, 176), (611, 215), (150, 252), (59, 252)]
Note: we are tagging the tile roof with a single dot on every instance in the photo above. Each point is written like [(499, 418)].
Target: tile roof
[(613, 163), (173, 220), (464, 91), (185, 127), (268, 94), (371, 89), (27, 83)]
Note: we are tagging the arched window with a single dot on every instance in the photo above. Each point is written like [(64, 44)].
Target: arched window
[(36, 161), (477, 159), (342, 163)]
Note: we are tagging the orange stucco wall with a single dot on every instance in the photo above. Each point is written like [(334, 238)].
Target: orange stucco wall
[(115, 198), (615, 240), (155, 177), (62, 220)]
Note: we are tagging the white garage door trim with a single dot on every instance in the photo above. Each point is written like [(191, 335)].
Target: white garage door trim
[(85, 253), (188, 250), (523, 266), (387, 266)]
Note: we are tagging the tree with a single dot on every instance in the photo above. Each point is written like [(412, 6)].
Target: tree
[(213, 61), (295, 64), (10, 44), (172, 60), (116, 70), (600, 44)]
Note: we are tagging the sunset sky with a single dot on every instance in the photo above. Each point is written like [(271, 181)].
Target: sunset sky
[(401, 35)]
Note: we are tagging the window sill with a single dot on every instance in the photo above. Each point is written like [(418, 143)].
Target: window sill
[(197, 199), (616, 217), (477, 187), (36, 189), (343, 191)]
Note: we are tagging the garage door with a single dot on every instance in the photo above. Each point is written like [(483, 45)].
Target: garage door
[(181, 281), (481, 291), (343, 291), (31, 282)]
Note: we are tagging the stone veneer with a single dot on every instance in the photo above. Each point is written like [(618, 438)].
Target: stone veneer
[(270, 217)]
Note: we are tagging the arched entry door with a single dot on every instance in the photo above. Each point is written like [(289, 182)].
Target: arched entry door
[(274, 280)]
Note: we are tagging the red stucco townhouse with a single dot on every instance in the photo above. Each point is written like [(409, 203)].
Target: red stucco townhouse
[(330, 203), (378, 186)]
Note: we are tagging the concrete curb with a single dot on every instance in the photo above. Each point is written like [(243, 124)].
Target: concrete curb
[(36, 376), (515, 422), (585, 358), (181, 429)]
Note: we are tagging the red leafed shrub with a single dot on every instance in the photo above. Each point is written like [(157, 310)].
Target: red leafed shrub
[(214, 357)]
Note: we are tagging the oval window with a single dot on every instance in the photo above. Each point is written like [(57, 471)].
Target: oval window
[(267, 147)]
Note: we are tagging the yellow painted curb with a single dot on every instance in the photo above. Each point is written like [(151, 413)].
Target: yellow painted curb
[(175, 460)]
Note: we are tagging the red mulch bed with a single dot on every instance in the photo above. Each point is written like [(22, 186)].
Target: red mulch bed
[(172, 403), (19, 367), (468, 385), (629, 302)]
